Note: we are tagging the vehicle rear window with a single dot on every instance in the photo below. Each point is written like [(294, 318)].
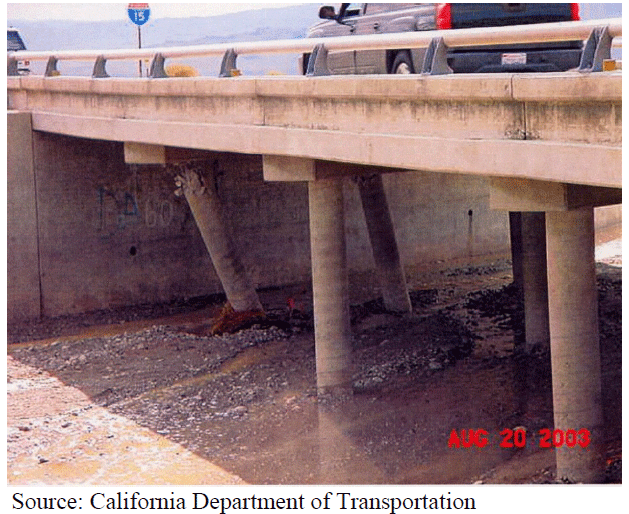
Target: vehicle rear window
[(14, 41), (493, 14)]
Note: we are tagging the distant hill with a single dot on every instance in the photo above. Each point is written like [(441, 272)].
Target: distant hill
[(289, 22), (256, 25), (598, 11)]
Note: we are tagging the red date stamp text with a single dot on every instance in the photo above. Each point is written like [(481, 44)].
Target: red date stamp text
[(517, 438)]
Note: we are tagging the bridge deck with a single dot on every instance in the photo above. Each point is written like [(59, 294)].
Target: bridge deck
[(559, 128)]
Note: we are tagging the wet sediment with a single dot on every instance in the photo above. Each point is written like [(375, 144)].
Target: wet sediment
[(245, 401)]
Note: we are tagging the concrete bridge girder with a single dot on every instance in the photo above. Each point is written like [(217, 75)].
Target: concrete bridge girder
[(414, 122)]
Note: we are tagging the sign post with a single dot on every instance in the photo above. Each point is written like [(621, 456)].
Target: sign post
[(139, 14)]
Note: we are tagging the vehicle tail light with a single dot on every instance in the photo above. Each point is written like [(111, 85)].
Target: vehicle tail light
[(444, 16), (574, 8)]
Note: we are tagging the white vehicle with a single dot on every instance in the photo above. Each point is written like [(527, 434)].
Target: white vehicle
[(15, 43)]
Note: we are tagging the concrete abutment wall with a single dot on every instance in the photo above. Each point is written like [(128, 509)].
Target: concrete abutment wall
[(23, 287), (87, 231)]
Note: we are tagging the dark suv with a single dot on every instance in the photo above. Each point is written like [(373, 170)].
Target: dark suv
[(363, 19), (16, 44)]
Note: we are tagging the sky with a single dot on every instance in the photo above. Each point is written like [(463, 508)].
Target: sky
[(86, 11)]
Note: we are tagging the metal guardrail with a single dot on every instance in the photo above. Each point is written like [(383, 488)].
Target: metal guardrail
[(597, 33)]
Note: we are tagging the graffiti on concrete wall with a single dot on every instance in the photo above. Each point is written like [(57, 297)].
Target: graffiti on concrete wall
[(158, 212), (138, 204), (117, 210)]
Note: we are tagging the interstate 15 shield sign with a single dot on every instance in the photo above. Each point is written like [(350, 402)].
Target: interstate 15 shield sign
[(139, 13)]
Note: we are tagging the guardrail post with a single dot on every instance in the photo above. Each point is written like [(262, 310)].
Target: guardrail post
[(51, 67), (318, 62), (435, 60), (229, 63), (99, 71), (156, 70), (12, 67), (597, 48)]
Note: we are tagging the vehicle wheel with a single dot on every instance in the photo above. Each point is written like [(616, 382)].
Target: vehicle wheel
[(402, 65)]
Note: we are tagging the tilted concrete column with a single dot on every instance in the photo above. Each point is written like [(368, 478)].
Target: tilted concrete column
[(330, 286), (206, 207), (383, 243), (575, 352), (534, 280)]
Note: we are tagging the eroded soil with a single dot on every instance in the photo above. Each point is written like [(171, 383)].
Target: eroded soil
[(247, 402)]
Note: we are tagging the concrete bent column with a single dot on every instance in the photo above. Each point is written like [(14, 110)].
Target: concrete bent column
[(206, 207), (515, 234), (383, 244), (330, 286), (575, 351), (534, 280)]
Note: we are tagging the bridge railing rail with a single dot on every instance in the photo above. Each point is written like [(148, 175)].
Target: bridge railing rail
[(598, 36)]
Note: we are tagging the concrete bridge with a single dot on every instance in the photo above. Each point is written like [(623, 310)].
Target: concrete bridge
[(548, 145)]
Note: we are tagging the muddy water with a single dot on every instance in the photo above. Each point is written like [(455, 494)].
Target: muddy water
[(254, 411), (397, 437)]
